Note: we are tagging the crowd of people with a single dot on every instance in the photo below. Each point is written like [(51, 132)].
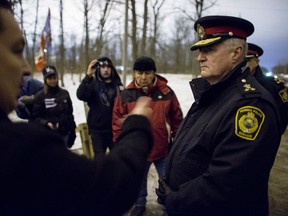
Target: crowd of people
[(215, 161)]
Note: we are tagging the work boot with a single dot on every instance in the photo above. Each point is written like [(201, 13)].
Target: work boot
[(138, 211)]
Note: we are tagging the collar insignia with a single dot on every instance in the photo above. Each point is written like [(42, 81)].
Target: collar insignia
[(247, 87)]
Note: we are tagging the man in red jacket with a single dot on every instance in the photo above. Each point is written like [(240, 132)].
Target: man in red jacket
[(166, 117)]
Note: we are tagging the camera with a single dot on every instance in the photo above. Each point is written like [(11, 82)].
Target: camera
[(100, 63), (103, 63)]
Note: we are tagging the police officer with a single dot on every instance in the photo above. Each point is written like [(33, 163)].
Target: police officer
[(274, 85), (225, 147)]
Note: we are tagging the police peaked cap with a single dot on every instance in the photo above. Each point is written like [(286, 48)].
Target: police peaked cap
[(254, 51), (214, 29)]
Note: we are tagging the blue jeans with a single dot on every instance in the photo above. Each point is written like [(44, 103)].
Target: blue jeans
[(160, 168)]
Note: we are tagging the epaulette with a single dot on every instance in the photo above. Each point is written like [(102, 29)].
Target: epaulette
[(278, 81)]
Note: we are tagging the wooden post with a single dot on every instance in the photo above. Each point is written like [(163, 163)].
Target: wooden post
[(86, 140)]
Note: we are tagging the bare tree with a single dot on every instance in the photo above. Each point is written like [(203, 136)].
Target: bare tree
[(72, 56), (62, 47), (192, 15), (144, 32), (198, 5), (29, 57), (22, 27), (134, 39), (156, 6), (179, 44), (86, 9), (105, 12)]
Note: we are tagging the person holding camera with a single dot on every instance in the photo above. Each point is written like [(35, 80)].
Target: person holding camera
[(99, 88)]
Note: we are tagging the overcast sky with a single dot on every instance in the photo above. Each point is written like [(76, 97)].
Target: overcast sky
[(270, 18)]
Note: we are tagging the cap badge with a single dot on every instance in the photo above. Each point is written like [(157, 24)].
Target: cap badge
[(201, 32)]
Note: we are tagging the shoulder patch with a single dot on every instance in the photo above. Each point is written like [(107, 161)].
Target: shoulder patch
[(284, 95), (248, 122)]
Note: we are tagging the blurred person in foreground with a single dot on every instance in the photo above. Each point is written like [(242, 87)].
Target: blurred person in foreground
[(39, 176), (99, 89), (166, 117), (224, 150), (53, 108), (273, 85), (29, 88)]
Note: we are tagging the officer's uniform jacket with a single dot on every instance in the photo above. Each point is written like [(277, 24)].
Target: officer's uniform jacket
[(224, 149), (276, 87)]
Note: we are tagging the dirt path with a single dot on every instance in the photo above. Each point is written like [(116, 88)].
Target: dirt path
[(278, 184)]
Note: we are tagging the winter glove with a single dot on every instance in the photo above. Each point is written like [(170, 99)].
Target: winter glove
[(20, 105), (162, 191), (26, 99)]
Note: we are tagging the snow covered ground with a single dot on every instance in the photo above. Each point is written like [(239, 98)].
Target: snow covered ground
[(178, 82)]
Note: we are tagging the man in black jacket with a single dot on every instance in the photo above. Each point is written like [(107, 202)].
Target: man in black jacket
[(39, 176), (99, 88), (225, 147)]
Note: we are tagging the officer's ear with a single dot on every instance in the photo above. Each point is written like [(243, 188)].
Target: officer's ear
[(237, 53)]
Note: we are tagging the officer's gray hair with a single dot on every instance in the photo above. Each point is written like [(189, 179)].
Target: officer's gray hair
[(233, 42)]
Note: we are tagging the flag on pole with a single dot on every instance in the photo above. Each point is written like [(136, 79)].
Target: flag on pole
[(39, 55), (47, 30), (45, 41)]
